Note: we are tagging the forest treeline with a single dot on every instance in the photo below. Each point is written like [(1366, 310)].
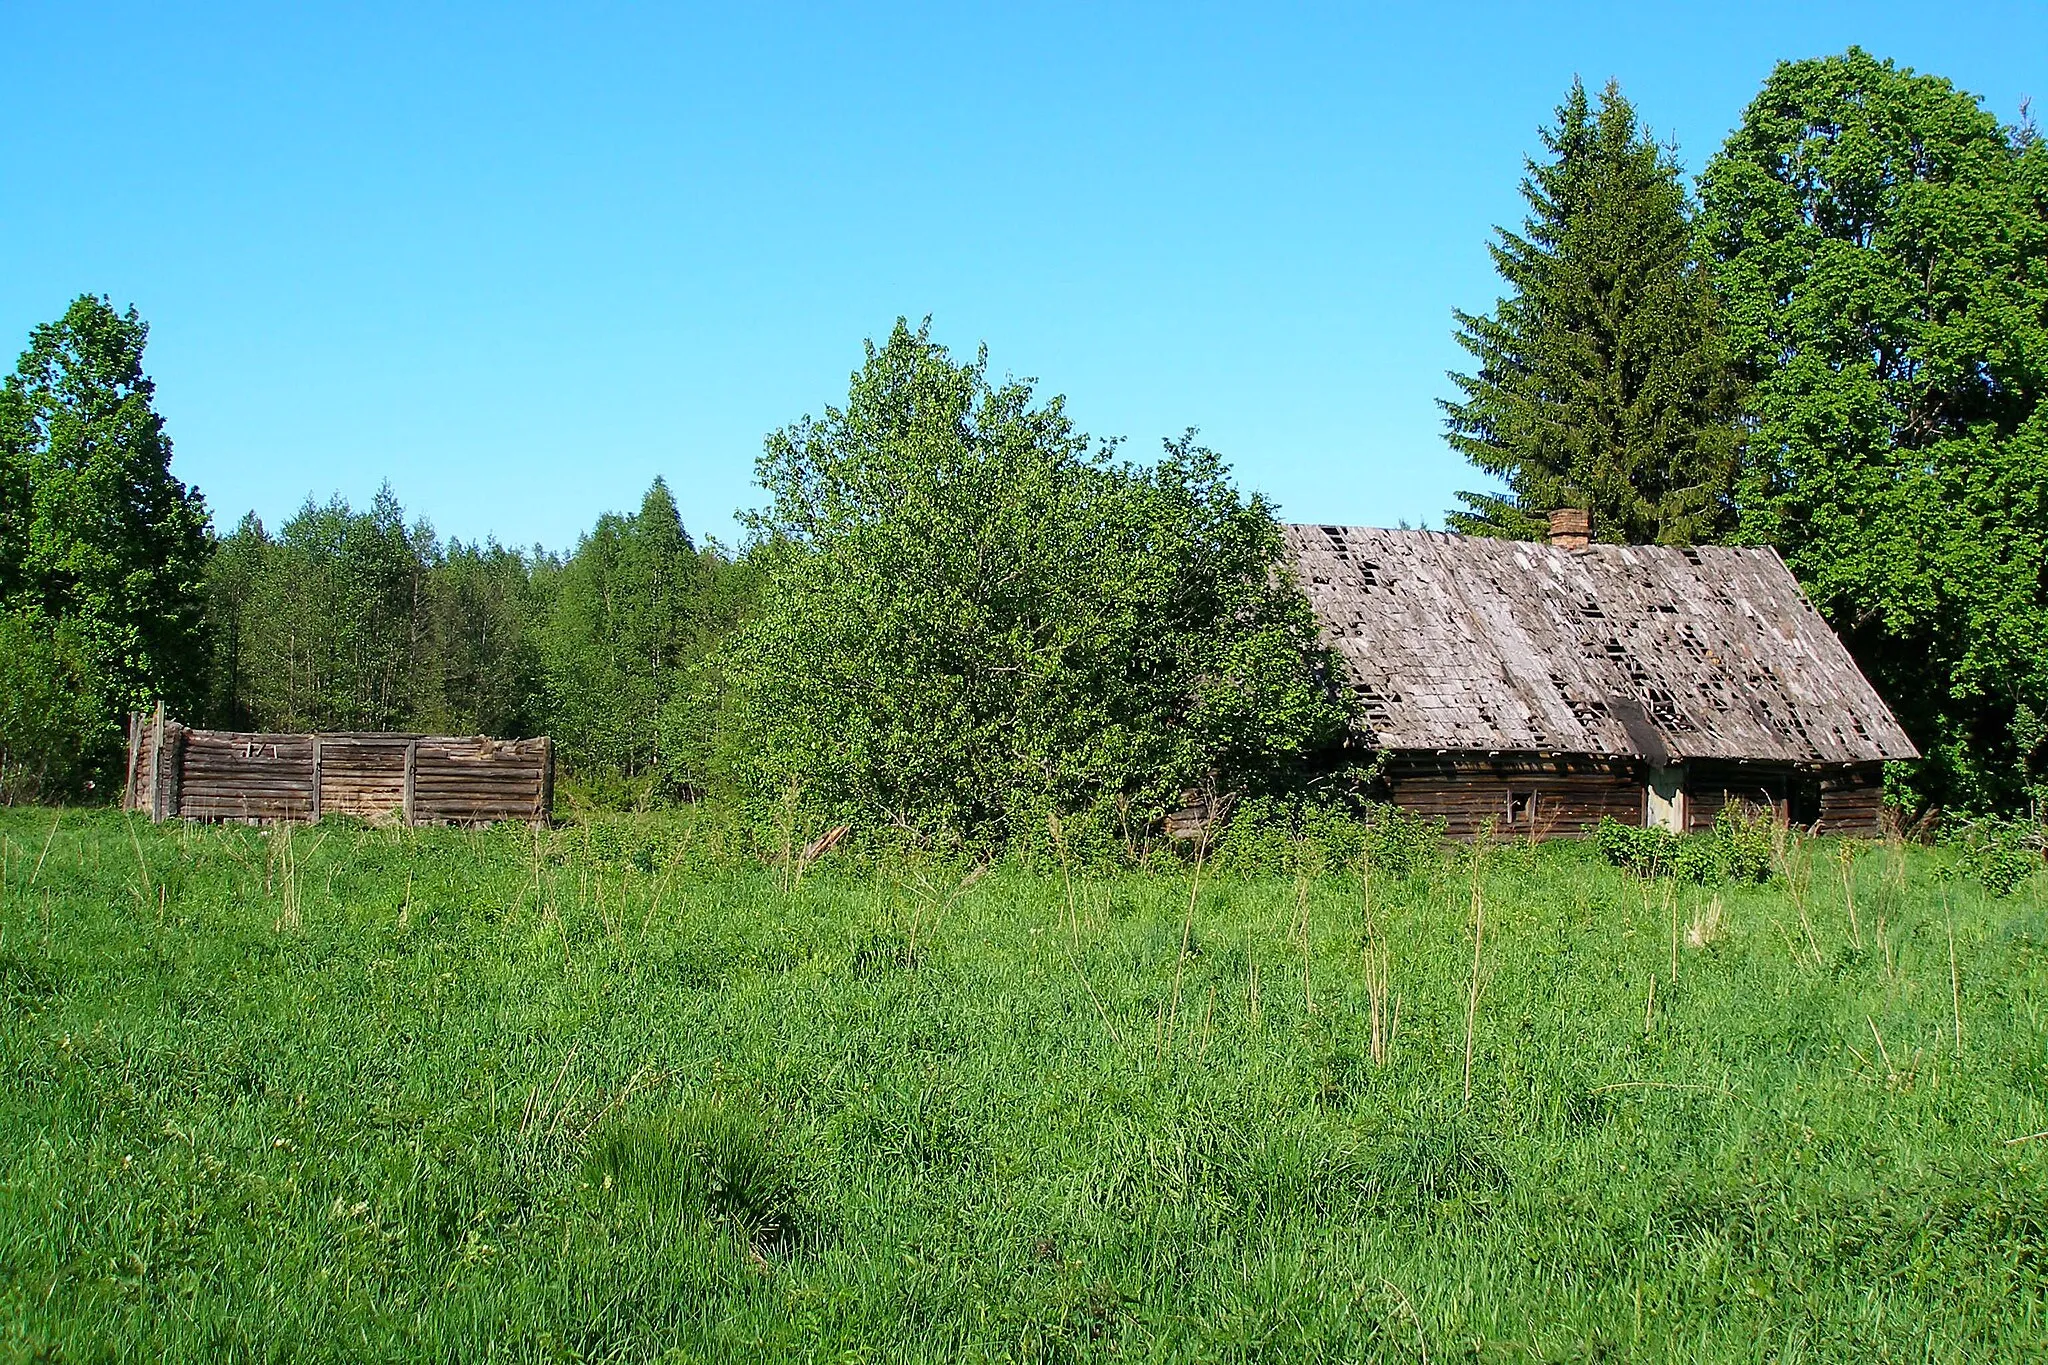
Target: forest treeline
[(358, 619), (955, 614)]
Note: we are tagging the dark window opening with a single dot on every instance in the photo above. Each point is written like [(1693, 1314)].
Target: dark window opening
[(1803, 800), (1522, 808)]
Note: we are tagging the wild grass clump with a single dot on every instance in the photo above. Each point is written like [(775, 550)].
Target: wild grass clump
[(713, 1160)]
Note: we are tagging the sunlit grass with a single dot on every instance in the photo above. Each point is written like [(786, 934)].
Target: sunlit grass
[(431, 1094)]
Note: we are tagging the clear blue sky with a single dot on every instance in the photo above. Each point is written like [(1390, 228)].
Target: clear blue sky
[(520, 260)]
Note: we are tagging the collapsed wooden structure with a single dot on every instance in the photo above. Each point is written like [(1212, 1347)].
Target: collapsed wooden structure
[(1537, 687), (176, 772)]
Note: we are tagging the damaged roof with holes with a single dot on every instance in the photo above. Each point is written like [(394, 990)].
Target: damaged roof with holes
[(1466, 644)]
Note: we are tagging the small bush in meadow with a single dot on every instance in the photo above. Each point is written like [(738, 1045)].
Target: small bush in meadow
[(2000, 854), (1645, 850), (1402, 842), (1749, 842)]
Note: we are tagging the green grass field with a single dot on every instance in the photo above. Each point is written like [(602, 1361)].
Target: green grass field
[(356, 1094)]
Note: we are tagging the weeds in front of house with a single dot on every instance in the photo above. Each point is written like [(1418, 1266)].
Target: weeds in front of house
[(615, 1090)]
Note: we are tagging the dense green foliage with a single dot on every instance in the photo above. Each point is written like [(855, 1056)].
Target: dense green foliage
[(359, 620), (971, 620), (102, 550), (52, 726), (638, 613), (1743, 846), (351, 620), (346, 1094), (1883, 246), (1604, 381)]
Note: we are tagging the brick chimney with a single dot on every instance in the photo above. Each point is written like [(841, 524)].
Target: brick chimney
[(1571, 528)]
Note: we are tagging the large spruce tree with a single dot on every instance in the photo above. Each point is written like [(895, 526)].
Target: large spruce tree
[(1602, 381)]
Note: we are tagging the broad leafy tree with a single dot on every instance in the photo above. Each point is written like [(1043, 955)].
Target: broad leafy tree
[(972, 617), (54, 731), (1883, 248), (1602, 378), (95, 530)]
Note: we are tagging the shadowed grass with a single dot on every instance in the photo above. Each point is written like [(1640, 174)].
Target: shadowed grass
[(499, 1096)]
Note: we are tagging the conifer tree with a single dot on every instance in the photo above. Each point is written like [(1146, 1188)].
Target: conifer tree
[(1603, 380)]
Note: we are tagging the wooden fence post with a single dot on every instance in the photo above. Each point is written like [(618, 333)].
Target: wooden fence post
[(316, 779), (156, 768), (547, 780), (128, 801), (412, 763)]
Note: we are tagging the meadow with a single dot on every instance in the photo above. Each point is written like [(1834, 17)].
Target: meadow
[(604, 1093)]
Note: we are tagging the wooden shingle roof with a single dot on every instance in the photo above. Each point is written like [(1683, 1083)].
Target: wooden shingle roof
[(1468, 644)]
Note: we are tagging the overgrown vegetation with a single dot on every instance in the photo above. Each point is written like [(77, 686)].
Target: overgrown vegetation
[(1744, 846), (971, 620), (611, 1091), (1880, 240), (1864, 271)]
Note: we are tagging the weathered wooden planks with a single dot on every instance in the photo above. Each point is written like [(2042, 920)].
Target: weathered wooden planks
[(1478, 794), (412, 779), (1462, 643)]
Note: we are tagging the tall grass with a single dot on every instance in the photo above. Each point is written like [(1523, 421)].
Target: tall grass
[(610, 1094)]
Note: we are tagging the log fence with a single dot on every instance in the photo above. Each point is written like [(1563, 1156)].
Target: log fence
[(178, 772)]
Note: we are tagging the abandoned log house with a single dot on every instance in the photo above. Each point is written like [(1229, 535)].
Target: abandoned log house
[(1533, 688)]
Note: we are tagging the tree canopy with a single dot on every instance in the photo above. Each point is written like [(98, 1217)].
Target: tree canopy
[(972, 617), (95, 530), (638, 611), (1603, 380), (1882, 243)]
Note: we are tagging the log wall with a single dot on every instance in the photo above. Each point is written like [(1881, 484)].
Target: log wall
[(1478, 794), (178, 772), (1711, 785), (1521, 794), (1852, 801)]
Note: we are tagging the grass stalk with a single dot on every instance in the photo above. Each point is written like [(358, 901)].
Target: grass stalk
[(1891, 1072), (56, 818), (1187, 930), (1472, 991), (1849, 894), (1955, 978)]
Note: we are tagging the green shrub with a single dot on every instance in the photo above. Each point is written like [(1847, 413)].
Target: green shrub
[(1749, 840), (1699, 858), (1741, 847), (2000, 854), (1300, 835), (56, 736), (1645, 850), (1404, 843), (971, 614)]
